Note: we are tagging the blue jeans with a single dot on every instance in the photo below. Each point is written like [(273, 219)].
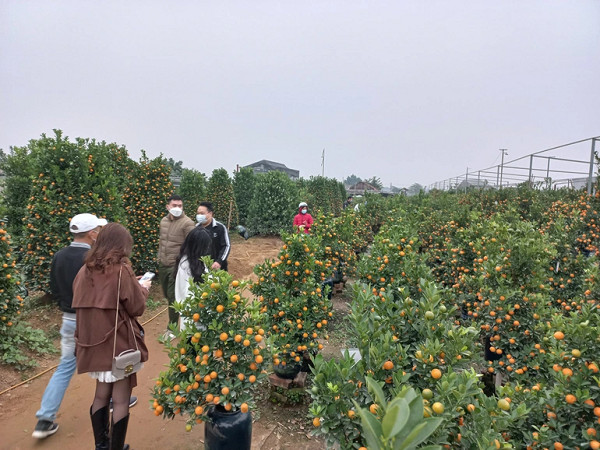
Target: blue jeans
[(55, 391)]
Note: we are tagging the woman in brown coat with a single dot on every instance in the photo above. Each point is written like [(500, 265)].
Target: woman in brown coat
[(95, 300)]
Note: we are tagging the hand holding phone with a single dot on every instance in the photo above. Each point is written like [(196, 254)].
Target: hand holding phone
[(145, 279)]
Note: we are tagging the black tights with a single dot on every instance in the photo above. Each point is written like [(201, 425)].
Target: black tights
[(119, 391)]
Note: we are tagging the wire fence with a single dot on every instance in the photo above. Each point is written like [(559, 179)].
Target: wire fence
[(573, 165)]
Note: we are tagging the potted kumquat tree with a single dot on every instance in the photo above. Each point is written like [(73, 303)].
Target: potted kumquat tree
[(216, 362), (294, 302)]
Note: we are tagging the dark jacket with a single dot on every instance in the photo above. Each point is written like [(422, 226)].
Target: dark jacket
[(220, 243), (95, 301), (65, 265)]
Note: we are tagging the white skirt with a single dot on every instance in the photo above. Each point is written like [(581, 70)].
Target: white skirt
[(107, 376)]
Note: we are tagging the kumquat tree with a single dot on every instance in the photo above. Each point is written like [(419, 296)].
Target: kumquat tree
[(17, 340), (219, 357), (484, 303), (10, 300), (295, 300), (468, 320), (63, 178), (69, 177), (144, 199)]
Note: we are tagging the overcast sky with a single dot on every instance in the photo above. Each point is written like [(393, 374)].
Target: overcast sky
[(409, 91)]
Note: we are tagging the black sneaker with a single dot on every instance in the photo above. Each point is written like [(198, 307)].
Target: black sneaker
[(44, 428), (132, 402)]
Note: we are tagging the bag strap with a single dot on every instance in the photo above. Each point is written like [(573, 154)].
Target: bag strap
[(117, 314), (133, 334), (117, 317)]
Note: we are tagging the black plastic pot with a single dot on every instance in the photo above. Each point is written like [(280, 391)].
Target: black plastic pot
[(227, 430), (489, 355), (289, 371), (307, 362), (328, 283), (338, 276)]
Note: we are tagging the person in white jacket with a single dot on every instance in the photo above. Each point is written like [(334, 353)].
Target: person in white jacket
[(189, 266)]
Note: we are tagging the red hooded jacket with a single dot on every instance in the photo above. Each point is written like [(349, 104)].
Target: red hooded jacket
[(303, 219)]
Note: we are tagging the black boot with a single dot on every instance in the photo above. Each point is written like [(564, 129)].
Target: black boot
[(117, 438), (100, 427)]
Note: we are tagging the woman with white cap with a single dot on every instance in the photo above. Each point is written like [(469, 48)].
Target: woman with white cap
[(303, 220)]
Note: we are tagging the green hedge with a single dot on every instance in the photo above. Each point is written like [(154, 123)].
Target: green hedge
[(220, 194), (274, 204)]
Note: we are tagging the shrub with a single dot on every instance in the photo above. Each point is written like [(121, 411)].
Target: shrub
[(398, 423), (274, 204), (15, 336), (10, 300), (72, 177), (145, 196), (243, 186), (220, 193), (336, 384), (18, 167), (296, 309), (218, 359), (192, 190), (323, 195), (340, 240)]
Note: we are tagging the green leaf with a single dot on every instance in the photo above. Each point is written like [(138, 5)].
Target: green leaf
[(375, 389), (420, 433), (371, 428), (395, 418), (416, 416)]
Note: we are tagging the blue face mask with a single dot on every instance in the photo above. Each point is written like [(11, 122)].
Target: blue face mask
[(304, 211), (200, 218)]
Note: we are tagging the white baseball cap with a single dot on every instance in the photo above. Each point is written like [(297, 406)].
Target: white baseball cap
[(85, 222)]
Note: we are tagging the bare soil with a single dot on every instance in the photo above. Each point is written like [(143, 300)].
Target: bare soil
[(275, 426)]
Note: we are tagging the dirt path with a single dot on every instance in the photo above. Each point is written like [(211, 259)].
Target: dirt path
[(146, 431)]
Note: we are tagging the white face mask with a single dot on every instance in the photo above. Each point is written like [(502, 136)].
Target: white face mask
[(200, 218), (176, 212)]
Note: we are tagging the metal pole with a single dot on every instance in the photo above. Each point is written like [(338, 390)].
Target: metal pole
[(503, 150), (592, 159), (548, 173), (530, 168), (497, 175), (466, 180), (323, 163)]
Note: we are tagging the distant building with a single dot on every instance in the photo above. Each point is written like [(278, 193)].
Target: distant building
[(393, 190), (361, 188), (264, 166), (473, 183)]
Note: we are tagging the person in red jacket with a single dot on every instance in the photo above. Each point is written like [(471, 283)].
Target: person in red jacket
[(303, 220)]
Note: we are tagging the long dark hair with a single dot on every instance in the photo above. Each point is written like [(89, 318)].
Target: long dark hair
[(197, 243), (113, 246)]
